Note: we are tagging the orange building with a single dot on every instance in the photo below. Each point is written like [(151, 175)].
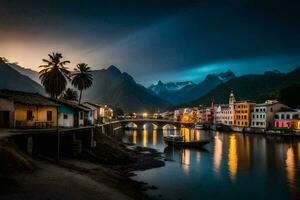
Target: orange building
[(242, 111)]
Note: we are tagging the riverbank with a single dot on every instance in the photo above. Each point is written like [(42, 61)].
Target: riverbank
[(101, 174)]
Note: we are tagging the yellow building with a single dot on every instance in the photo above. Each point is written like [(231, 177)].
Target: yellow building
[(23, 109), (297, 125), (242, 111)]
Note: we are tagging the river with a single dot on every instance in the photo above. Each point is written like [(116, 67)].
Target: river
[(232, 166)]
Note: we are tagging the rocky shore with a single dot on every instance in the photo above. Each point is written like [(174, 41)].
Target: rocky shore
[(103, 173)]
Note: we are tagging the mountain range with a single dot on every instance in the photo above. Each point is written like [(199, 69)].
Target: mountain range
[(14, 80), (190, 91), (249, 86), (161, 87), (119, 89), (34, 75), (111, 86)]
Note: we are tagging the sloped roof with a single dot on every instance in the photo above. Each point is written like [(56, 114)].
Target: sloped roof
[(26, 98), (287, 110), (72, 104)]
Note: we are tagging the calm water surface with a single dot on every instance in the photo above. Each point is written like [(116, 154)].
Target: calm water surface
[(232, 166)]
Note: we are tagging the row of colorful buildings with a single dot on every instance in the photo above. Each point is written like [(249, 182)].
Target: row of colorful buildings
[(23, 110), (245, 114)]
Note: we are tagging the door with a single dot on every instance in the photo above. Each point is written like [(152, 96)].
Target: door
[(4, 119)]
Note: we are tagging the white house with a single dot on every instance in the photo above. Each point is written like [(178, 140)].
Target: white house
[(263, 115)]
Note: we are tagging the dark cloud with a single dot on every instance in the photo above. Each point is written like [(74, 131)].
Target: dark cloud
[(166, 39)]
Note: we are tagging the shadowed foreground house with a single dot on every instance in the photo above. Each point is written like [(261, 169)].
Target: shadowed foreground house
[(22, 109), (72, 114)]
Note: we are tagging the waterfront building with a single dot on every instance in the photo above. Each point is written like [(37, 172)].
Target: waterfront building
[(286, 119), (297, 123), (23, 109), (187, 112), (201, 114), (263, 115), (242, 113), (168, 115), (225, 113), (178, 114), (106, 113), (93, 114), (206, 115), (71, 114)]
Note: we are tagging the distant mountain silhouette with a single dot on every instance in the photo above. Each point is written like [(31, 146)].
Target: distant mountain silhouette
[(14, 80), (193, 91), (249, 86), (111, 86), (34, 75), (161, 87)]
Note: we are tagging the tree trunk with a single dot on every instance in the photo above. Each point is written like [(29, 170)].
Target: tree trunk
[(80, 97)]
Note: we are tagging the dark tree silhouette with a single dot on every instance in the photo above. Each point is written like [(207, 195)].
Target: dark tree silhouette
[(118, 112), (54, 74), (82, 78), (70, 94), (290, 95)]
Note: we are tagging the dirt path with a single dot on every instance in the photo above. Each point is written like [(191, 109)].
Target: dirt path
[(56, 183)]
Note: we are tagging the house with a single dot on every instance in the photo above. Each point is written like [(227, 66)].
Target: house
[(242, 113), (92, 115), (106, 113), (297, 123), (96, 108), (286, 118), (71, 114), (178, 114), (263, 115), (23, 109), (225, 113)]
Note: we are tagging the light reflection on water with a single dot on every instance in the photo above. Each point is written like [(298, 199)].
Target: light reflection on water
[(230, 167)]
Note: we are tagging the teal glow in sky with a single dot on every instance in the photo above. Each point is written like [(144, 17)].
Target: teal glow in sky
[(155, 40)]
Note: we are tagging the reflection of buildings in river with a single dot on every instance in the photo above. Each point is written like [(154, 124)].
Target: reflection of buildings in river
[(185, 132), (298, 152), (198, 157), (244, 156), (217, 153), (197, 132), (232, 157), (154, 137), (185, 160), (190, 134), (134, 136), (290, 167), (145, 137)]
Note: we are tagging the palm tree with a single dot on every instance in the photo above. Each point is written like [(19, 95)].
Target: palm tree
[(82, 78), (70, 94), (54, 74)]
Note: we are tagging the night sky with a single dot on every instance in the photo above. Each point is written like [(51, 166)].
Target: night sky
[(151, 40)]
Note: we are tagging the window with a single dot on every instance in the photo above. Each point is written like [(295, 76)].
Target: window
[(49, 115), (271, 109), (29, 115), (65, 116), (80, 115)]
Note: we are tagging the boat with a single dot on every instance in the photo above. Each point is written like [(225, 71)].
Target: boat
[(177, 141), (199, 126)]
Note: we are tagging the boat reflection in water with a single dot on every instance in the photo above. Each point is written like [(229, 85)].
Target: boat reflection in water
[(232, 166)]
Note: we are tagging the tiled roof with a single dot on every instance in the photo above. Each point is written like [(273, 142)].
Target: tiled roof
[(26, 98), (72, 104)]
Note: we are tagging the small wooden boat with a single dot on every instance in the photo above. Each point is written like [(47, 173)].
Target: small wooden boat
[(177, 141)]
